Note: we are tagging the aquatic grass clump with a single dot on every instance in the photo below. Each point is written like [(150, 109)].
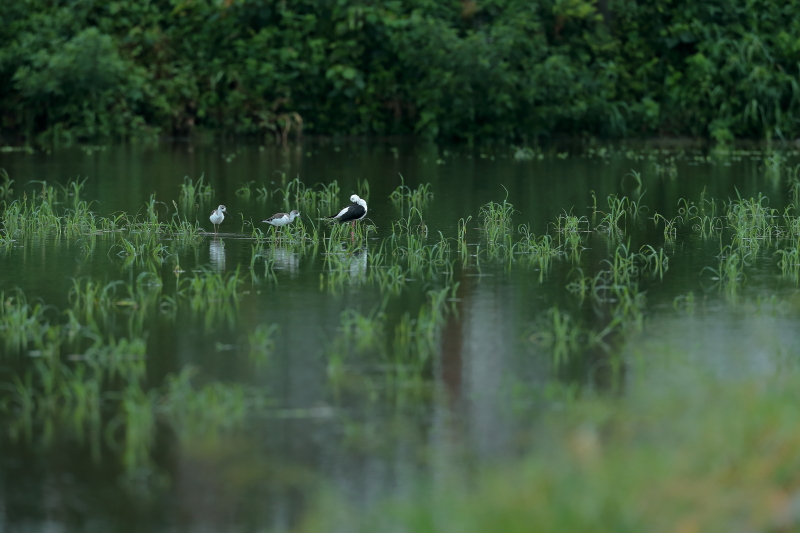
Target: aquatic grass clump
[(5, 184), (404, 197), (775, 166), (557, 331), (141, 248), (388, 360), (390, 280), (729, 275), (345, 236), (296, 195), (416, 339), (571, 229), (23, 218), (182, 231), (752, 221), (496, 225), (48, 393), (92, 301), (262, 342), (790, 262), (73, 190), (542, 250), (618, 209), (245, 190), (656, 260), (21, 323), (112, 358), (210, 410), (670, 226), (80, 220), (214, 294), (194, 192)]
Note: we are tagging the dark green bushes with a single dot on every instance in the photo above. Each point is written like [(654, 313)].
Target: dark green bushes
[(501, 69)]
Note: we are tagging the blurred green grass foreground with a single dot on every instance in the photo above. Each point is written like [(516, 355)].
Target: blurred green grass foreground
[(462, 70), (698, 453)]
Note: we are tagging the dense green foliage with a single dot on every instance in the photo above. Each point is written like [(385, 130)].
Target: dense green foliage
[(468, 69)]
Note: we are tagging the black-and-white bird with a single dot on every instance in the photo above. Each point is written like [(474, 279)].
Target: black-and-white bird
[(281, 219), (357, 210)]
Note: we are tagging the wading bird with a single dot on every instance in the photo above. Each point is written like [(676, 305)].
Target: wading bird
[(217, 216), (281, 219), (357, 210)]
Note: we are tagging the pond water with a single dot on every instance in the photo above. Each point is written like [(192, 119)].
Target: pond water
[(178, 380)]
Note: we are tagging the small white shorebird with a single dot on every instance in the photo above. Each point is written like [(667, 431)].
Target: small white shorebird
[(217, 216), (281, 219), (357, 210)]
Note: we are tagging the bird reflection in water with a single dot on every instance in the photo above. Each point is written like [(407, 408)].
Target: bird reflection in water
[(285, 259), (216, 250), (346, 268)]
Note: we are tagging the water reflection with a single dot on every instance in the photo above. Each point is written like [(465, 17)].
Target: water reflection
[(346, 267), (390, 354), (285, 259), (216, 250)]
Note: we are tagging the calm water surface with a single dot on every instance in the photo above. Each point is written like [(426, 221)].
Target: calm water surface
[(346, 424)]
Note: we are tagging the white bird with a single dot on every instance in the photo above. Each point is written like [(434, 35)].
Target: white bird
[(357, 210), (281, 219), (217, 216)]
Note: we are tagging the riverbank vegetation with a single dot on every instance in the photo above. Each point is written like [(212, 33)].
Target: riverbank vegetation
[(471, 70)]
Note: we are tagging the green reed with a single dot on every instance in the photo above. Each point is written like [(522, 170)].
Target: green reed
[(585, 286), (790, 262), (685, 302), (212, 294), (112, 358), (390, 280), (262, 342), (245, 191), (670, 226), (263, 194), (21, 323), (656, 260), (73, 190), (623, 266), (775, 166), (558, 332), (496, 225), (23, 218), (141, 247), (347, 236), (462, 237), (193, 192), (729, 274), (92, 301), (709, 226), (752, 221), (208, 411), (5, 184), (296, 195), (404, 197), (47, 193), (617, 211), (363, 189)]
